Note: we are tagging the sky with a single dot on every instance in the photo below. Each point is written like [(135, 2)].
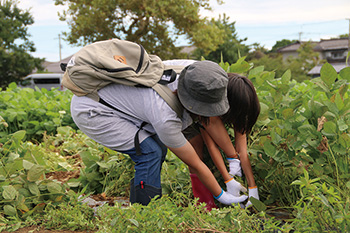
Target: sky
[(260, 21)]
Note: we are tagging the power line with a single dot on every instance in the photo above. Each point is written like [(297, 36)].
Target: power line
[(287, 24)]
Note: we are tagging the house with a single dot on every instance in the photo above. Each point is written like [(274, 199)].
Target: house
[(291, 50), (334, 51)]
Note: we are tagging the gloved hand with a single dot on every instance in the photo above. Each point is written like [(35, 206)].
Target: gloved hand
[(235, 167), (228, 199), (234, 187), (253, 192)]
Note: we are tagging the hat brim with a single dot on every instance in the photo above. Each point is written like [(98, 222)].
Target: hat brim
[(201, 108)]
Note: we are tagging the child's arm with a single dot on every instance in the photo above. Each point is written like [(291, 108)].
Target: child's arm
[(241, 146), (218, 134), (215, 134), (217, 131), (215, 155)]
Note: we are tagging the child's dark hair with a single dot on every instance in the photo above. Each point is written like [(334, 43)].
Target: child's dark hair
[(244, 104)]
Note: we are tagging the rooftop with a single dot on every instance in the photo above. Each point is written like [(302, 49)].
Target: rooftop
[(332, 44), (323, 45)]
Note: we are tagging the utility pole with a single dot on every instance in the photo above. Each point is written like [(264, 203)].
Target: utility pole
[(59, 45), (300, 33)]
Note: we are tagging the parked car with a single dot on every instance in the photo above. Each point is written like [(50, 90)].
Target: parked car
[(43, 80)]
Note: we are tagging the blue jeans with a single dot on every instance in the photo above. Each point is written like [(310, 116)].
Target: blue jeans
[(148, 165)]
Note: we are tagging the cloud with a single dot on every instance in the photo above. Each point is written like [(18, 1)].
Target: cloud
[(254, 12), (44, 12)]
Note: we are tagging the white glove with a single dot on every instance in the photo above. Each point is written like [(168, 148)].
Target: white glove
[(253, 192), (235, 167), (228, 199), (234, 187)]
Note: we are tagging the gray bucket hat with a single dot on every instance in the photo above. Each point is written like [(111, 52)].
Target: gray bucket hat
[(202, 89)]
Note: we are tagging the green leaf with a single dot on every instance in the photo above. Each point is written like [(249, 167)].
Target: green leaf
[(89, 159), (348, 184), (66, 130), (286, 77), (269, 149), (342, 165), (27, 165), (317, 169), (54, 187), (325, 201), (255, 71), (74, 184), (9, 192), (321, 84), (339, 101), (33, 188), (345, 73), (329, 128), (133, 221), (19, 135), (328, 74), (239, 68), (24, 192), (297, 182), (10, 210), (342, 125), (35, 173), (307, 129), (264, 109), (344, 140), (13, 85), (275, 137), (329, 115), (104, 165), (23, 207), (260, 206), (343, 89)]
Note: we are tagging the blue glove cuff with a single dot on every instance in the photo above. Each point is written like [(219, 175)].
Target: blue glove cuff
[(230, 158), (222, 191)]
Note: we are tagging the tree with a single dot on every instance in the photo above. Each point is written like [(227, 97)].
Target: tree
[(16, 62), (306, 60), (258, 51), (271, 62), (232, 47), (282, 43), (344, 36), (155, 24)]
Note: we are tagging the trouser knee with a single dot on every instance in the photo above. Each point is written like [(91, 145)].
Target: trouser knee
[(148, 164)]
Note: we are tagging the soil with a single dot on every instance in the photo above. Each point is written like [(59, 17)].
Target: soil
[(63, 176)]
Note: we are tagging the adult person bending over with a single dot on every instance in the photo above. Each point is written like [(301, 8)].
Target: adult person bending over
[(202, 91)]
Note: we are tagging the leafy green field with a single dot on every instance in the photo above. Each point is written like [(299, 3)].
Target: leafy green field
[(299, 150)]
